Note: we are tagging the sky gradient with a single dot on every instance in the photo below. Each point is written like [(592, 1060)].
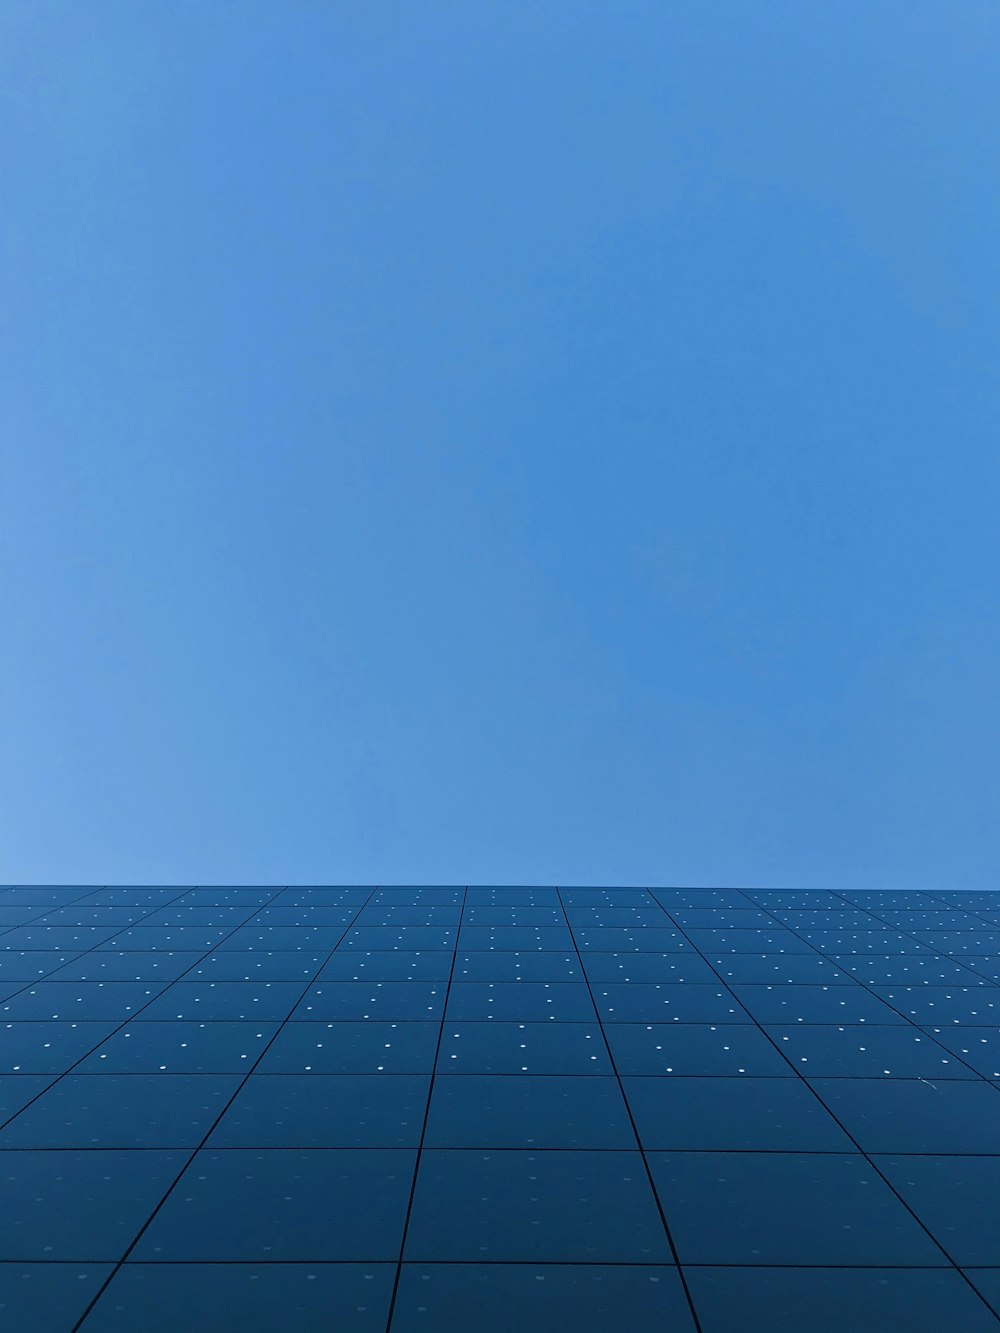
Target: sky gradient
[(500, 443)]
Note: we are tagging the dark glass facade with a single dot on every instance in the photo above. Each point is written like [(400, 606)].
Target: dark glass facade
[(491, 1109)]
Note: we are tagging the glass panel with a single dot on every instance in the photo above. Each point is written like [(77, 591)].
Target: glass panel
[(522, 1048), (826, 1050), (48, 1296), (352, 1048), (284, 1204), (641, 1002), (325, 1111), (683, 1049), (526, 1001), (956, 1200), (521, 1206), (723, 1208), (80, 1206), (122, 1111), (306, 1298), (528, 1111), (495, 1298), (745, 1114), (823, 1300), (181, 1048), (915, 1115)]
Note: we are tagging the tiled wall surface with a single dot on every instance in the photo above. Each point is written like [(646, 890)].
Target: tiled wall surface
[(496, 1109)]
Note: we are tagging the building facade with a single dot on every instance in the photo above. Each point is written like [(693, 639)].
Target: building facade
[(488, 1109)]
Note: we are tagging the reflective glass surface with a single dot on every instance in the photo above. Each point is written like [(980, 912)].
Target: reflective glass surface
[(537, 1108)]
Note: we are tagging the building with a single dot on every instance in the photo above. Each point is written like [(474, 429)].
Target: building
[(488, 1109)]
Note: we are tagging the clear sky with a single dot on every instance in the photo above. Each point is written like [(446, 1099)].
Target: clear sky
[(516, 442)]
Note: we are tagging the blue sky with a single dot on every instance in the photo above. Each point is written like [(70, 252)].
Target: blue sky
[(500, 443)]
